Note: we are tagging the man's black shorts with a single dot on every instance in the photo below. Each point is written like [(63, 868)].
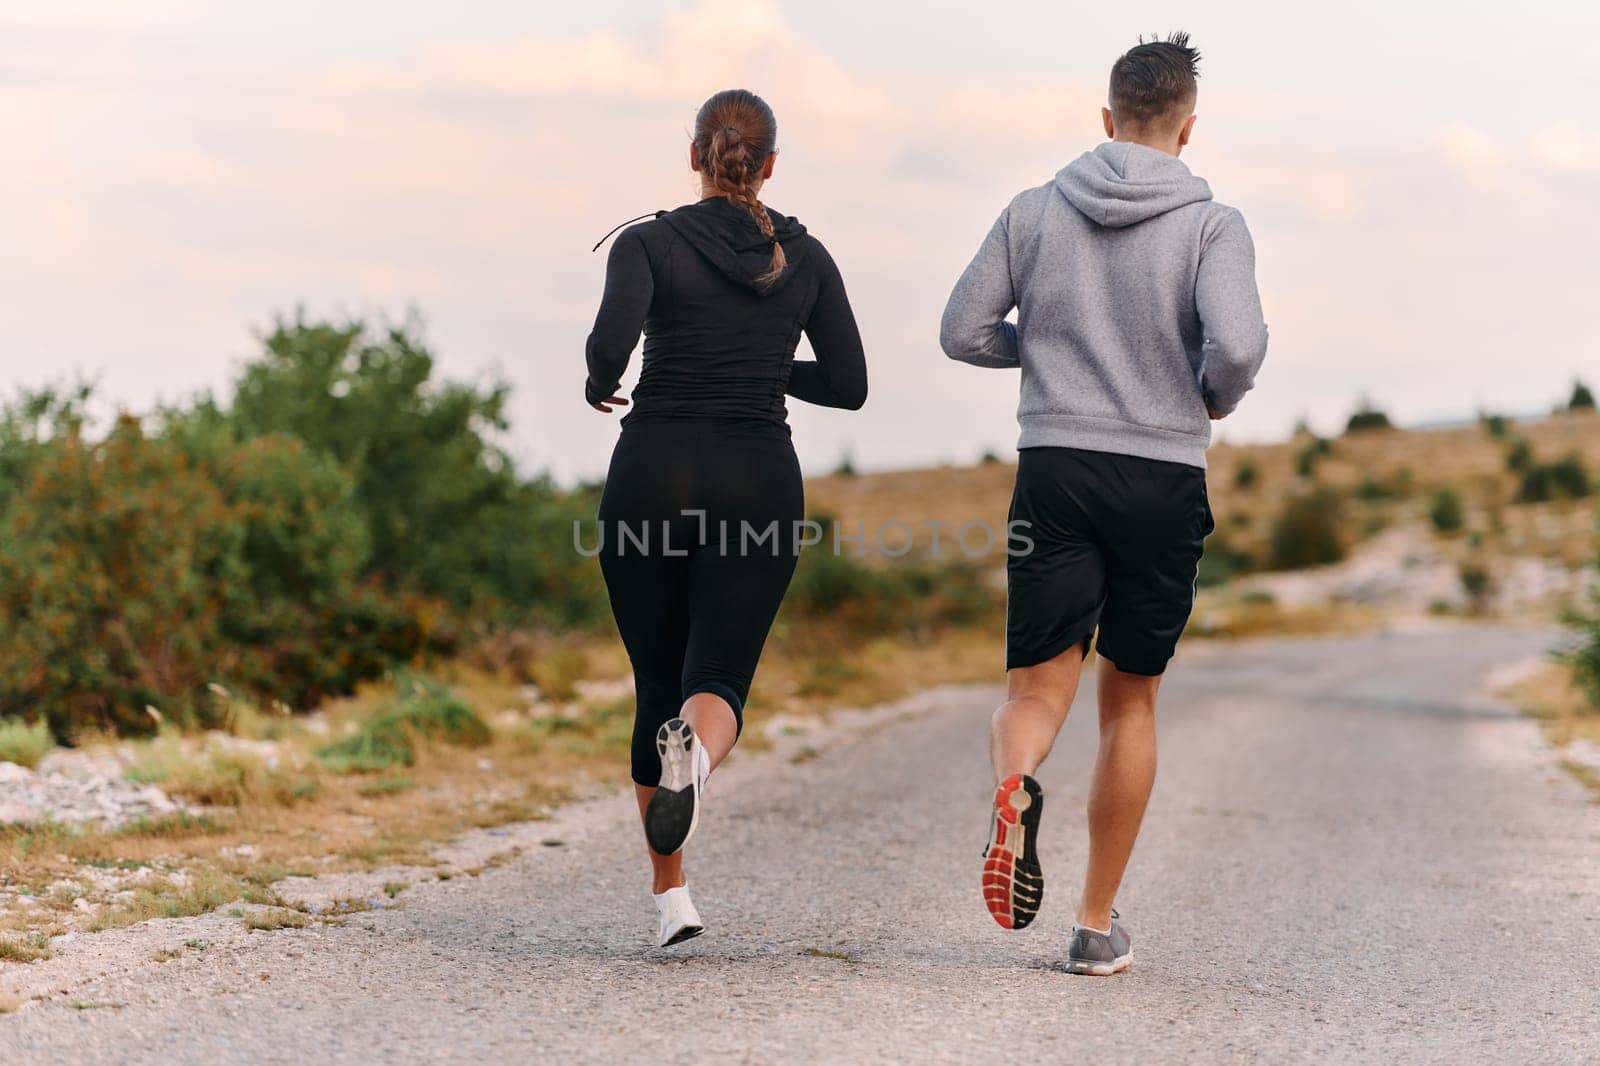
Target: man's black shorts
[(1116, 543)]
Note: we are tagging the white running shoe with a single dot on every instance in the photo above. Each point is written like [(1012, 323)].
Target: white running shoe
[(679, 920), (674, 810)]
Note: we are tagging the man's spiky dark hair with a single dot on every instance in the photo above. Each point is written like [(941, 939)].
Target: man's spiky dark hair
[(1154, 79)]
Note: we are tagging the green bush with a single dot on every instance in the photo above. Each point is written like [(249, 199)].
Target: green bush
[(1497, 426), (1476, 583), (1246, 475), (114, 558), (1519, 456), (1564, 479), (446, 514), (338, 515), (1306, 532), (1305, 461), (1445, 511), (1582, 398), (135, 570)]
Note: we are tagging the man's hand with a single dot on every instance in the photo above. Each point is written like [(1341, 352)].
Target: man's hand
[(602, 405), (1214, 416)]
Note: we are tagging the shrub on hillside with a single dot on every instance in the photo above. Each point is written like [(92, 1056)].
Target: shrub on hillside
[(1445, 511), (1246, 475), (1497, 426), (1564, 479), (1519, 456), (1305, 461), (1582, 398), (1306, 532)]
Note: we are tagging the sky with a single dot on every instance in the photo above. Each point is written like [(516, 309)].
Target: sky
[(1420, 180)]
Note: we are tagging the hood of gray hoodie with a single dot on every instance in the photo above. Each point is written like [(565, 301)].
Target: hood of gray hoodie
[(1121, 183)]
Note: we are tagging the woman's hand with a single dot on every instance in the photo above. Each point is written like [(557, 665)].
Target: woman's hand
[(603, 407)]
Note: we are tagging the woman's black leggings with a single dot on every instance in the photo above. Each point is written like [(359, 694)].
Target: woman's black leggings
[(698, 528)]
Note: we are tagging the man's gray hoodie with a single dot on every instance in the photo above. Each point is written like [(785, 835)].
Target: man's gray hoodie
[(1136, 306)]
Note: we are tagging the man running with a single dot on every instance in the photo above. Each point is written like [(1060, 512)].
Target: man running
[(1138, 322)]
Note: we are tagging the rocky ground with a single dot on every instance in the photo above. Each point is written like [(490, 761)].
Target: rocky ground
[(74, 786)]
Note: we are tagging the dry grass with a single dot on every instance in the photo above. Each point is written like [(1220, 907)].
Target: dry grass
[(9, 1004), (1224, 615), (266, 921), (24, 743), (26, 948), (300, 817), (1550, 694)]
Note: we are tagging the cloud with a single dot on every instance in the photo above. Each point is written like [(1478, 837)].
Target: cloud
[(1567, 148)]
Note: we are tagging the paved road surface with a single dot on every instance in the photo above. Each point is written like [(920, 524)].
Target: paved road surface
[(1350, 857)]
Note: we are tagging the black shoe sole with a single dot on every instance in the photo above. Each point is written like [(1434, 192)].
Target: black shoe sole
[(671, 815)]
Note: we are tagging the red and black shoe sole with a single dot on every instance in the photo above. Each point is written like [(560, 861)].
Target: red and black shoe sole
[(1013, 883)]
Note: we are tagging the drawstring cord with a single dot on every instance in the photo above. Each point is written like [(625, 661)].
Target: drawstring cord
[(631, 221)]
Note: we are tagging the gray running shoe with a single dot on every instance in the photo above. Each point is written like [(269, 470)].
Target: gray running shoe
[(1099, 954)]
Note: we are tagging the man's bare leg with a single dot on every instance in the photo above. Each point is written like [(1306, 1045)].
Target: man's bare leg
[(1124, 773), (1038, 698), (1020, 736)]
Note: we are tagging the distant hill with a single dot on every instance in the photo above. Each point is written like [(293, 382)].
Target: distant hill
[(1384, 475)]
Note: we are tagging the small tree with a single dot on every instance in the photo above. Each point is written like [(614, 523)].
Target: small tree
[(1496, 426), (1246, 475), (1367, 416), (1582, 399)]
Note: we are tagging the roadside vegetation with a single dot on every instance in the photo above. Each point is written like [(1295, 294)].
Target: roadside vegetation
[(327, 614)]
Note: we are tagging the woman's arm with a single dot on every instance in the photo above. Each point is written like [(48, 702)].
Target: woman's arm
[(838, 376), (626, 300)]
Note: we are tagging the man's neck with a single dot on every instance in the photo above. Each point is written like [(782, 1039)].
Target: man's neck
[(1171, 147)]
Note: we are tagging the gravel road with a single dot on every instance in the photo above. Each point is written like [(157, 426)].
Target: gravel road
[(1352, 855)]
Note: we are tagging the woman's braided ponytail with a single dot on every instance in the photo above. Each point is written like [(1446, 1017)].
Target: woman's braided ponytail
[(734, 133)]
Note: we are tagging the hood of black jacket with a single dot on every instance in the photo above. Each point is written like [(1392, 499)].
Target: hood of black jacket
[(726, 234)]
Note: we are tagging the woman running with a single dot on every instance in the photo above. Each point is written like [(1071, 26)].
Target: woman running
[(699, 513)]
